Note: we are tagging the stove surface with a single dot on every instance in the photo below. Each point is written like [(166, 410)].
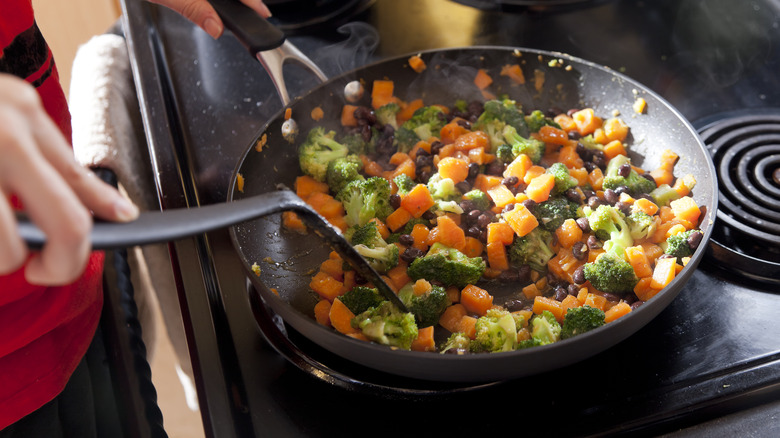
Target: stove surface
[(712, 352)]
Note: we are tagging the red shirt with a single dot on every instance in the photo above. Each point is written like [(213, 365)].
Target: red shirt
[(44, 331)]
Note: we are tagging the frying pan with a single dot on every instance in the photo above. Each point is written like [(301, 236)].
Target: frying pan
[(287, 259)]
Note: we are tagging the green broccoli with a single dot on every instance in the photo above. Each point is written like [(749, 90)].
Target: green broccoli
[(356, 144), (640, 224), (387, 325), (563, 179), (425, 123), (317, 151), (533, 249), (447, 265), (443, 189), (545, 329), (361, 298), (677, 244), (366, 199), (579, 320), (496, 115), (635, 183), (342, 171), (504, 153), (520, 145), (386, 114), (404, 183), (458, 343), (537, 119), (609, 224), (610, 273), (664, 194), (461, 105), (495, 332), (366, 234), (428, 307), (553, 212), (367, 241), (479, 198)]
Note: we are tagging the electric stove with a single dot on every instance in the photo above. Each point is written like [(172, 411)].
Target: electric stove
[(709, 364)]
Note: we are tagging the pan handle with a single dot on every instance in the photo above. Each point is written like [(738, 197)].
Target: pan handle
[(175, 224), (265, 42)]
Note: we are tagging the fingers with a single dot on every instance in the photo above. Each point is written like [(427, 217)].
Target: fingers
[(14, 251), (203, 14)]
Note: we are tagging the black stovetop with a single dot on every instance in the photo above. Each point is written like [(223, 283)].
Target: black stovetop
[(710, 363)]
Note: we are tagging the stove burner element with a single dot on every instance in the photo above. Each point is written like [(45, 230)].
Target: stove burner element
[(745, 148)]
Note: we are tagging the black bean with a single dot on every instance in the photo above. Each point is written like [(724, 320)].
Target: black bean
[(508, 276), (385, 146), (388, 130), (424, 175), (523, 273), (436, 147), (599, 159), (579, 275), (458, 351), (582, 222), (574, 135), (464, 123), (636, 304), (366, 133), (510, 181), (593, 242), (410, 254), (666, 256), (406, 240), (429, 215), (560, 293), (611, 197), (588, 193), (423, 161), (364, 114), (589, 166), (694, 240), (514, 305), (624, 207), (483, 220), (573, 289), (648, 177), (624, 170), (594, 202), (473, 215), (573, 195), (473, 170), (467, 205), (473, 232), (463, 186), (395, 201), (475, 108), (571, 112), (422, 152), (579, 250), (495, 168), (483, 236), (529, 204), (509, 207), (611, 297)]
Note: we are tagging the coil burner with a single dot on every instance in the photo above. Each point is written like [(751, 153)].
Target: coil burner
[(745, 149)]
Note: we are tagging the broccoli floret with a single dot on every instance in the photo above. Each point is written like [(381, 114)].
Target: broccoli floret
[(318, 150), (533, 249), (404, 183), (504, 153), (361, 298), (461, 105), (366, 234), (635, 183), (537, 119), (355, 143), (609, 224), (520, 145), (447, 265), (496, 115), (457, 343), (479, 198), (579, 320), (441, 207), (387, 325), (664, 194), (386, 114), (427, 307), (495, 332), (563, 179), (553, 212), (425, 123), (677, 244), (640, 224), (545, 329), (366, 199), (367, 241), (610, 273), (342, 171), (443, 189)]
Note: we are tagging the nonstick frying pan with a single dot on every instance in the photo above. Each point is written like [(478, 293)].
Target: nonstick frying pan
[(288, 260)]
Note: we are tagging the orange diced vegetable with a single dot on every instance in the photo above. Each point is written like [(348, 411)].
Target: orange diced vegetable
[(553, 135), (568, 233), (596, 179), (448, 233), (513, 72), (341, 318), (565, 122), (317, 114), (476, 300), (640, 104), (521, 220), (421, 287), (473, 247), (306, 185), (424, 340), (540, 187), (451, 131), (420, 235), (532, 173), (407, 111), (417, 201), (518, 167), (638, 259), (398, 219), (647, 206), (594, 300), (348, 115), (531, 290), (485, 182), (416, 63), (482, 80), (398, 276), (587, 121), (497, 257), (322, 312), (542, 303), (326, 286), (382, 93), (618, 310), (332, 267), (472, 140), (451, 317), (501, 196), (454, 168), (615, 129), (686, 209), (292, 222), (664, 272), (643, 289), (614, 148), (500, 232), (326, 205)]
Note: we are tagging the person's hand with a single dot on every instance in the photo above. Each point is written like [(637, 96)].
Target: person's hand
[(203, 14), (57, 193)]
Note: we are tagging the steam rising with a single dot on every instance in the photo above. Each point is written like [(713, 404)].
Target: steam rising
[(357, 50)]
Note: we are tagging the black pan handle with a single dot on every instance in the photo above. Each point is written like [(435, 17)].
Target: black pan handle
[(174, 224), (254, 32)]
